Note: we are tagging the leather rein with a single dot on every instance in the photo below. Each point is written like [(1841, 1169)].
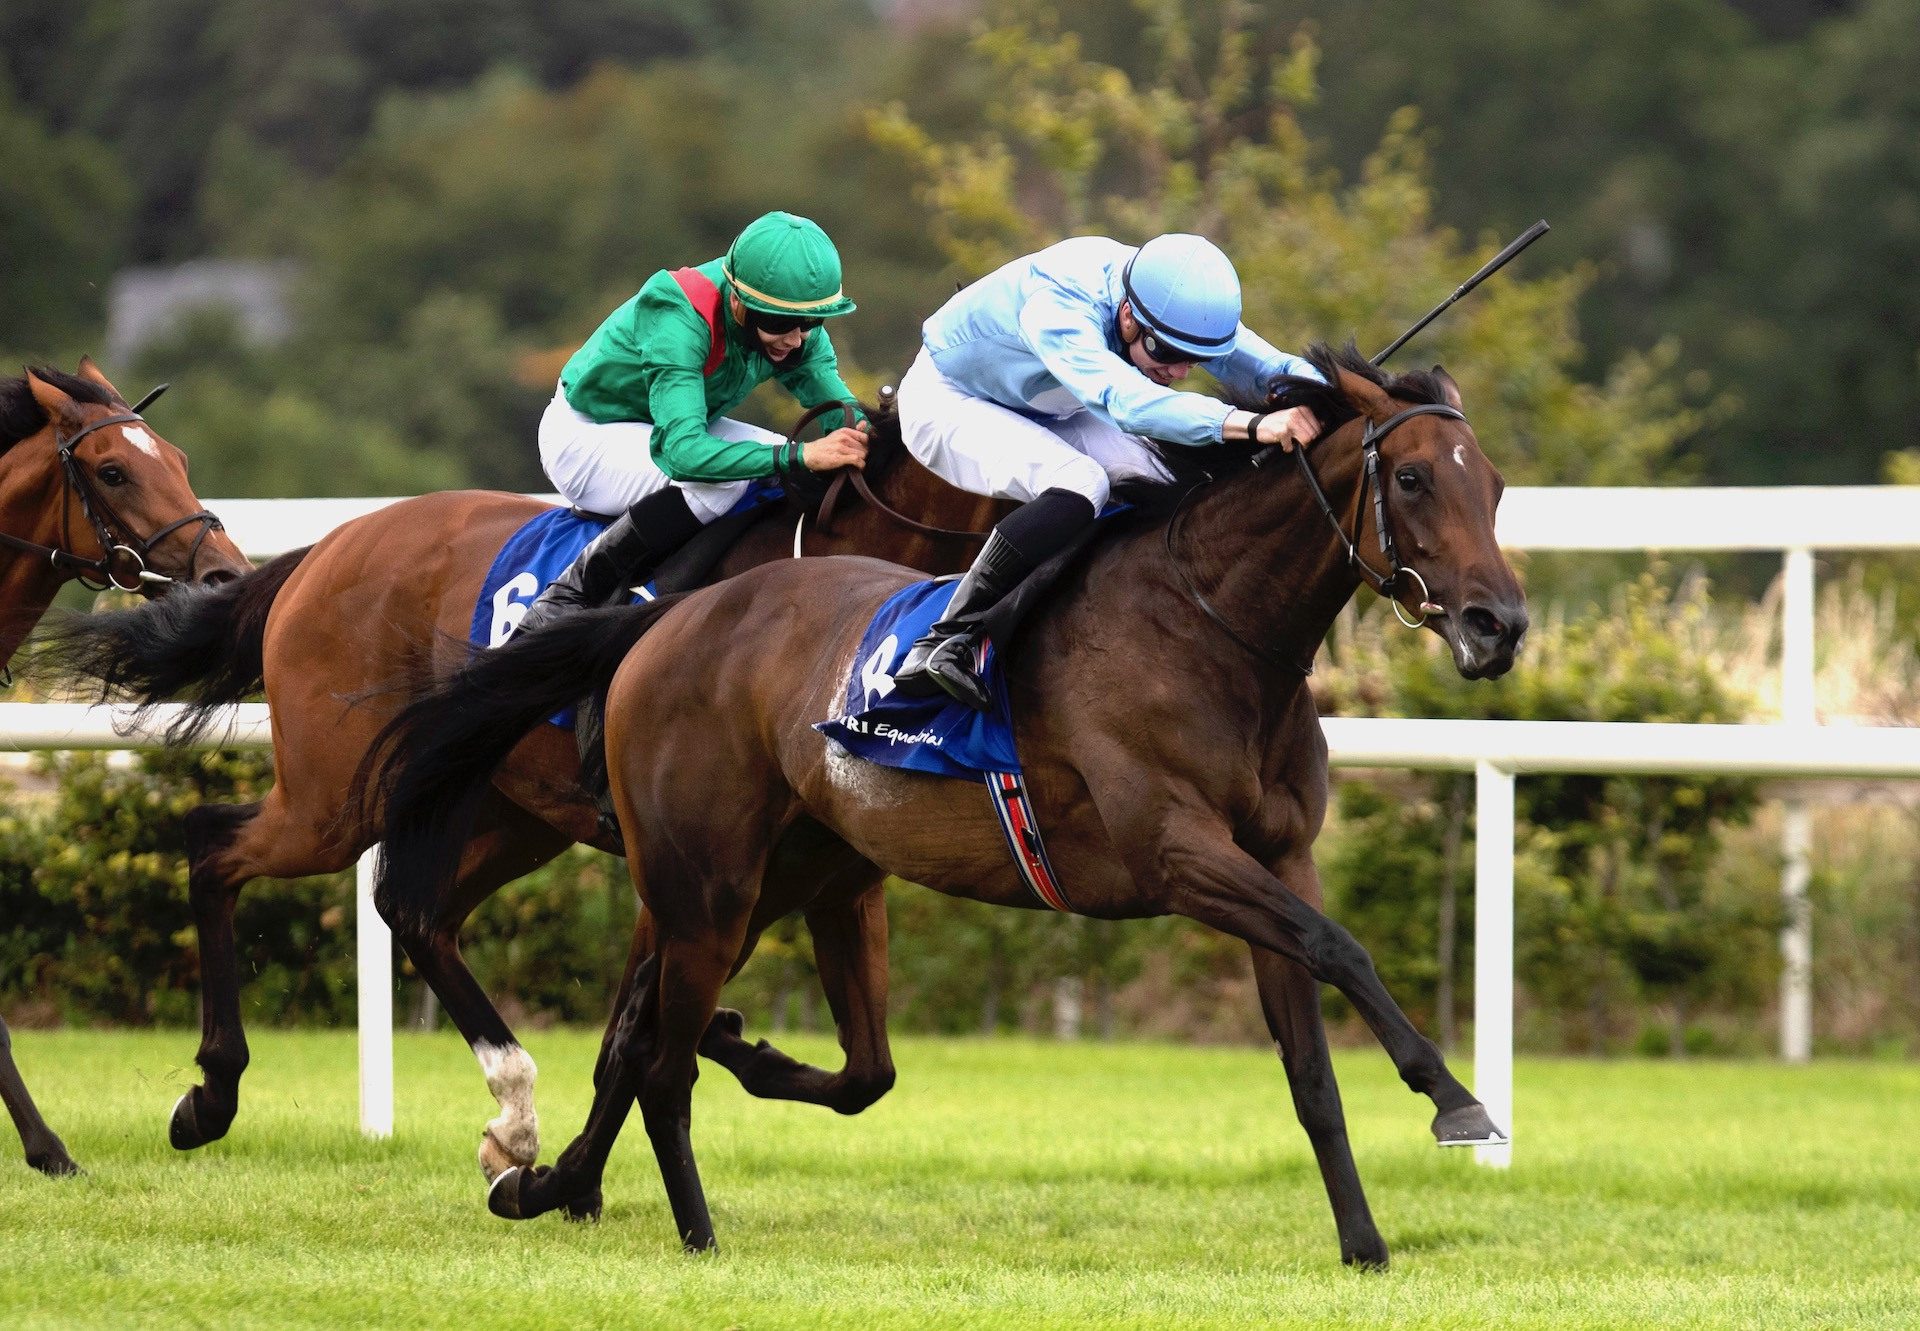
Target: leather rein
[(1384, 583), (855, 478), (121, 551)]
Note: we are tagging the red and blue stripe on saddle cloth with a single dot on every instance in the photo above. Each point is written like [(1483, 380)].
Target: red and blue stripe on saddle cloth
[(939, 735)]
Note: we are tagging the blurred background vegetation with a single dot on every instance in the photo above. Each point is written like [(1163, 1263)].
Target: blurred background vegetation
[(436, 202)]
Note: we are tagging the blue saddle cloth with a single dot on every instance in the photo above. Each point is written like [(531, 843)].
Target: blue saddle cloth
[(937, 734), (541, 550)]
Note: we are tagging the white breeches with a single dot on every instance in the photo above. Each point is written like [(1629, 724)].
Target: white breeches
[(607, 468), (986, 449)]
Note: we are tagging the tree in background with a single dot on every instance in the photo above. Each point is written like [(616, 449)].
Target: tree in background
[(1213, 142)]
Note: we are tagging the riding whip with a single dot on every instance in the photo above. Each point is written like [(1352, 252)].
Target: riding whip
[(1492, 266)]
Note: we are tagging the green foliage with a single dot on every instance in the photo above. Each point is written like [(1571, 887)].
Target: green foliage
[(106, 869), (1211, 140), (555, 941), (62, 210)]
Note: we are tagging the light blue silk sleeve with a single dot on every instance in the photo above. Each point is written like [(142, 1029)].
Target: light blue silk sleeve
[(1249, 370), (1063, 330)]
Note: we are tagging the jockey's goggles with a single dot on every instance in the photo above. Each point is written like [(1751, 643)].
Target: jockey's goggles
[(1161, 352), (775, 325)]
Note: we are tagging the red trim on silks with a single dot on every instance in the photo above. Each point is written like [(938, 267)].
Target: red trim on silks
[(1022, 831), (704, 296)]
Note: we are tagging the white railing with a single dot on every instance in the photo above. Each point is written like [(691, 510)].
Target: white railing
[(1795, 520)]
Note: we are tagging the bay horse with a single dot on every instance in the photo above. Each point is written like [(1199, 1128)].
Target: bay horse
[(330, 632), (1169, 740), (88, 491)]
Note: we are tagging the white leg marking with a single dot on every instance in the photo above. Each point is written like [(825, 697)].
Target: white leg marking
[(515, 1133)]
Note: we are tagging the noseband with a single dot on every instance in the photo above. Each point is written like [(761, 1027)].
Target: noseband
[(118, 545), (1386, 583)]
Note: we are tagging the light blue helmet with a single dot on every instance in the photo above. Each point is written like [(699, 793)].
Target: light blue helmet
[(1186, 292)]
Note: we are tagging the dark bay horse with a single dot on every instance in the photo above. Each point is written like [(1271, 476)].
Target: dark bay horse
[(87, 491), (327, 631), (1170, 745)]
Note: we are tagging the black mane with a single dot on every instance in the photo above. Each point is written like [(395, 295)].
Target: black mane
[(1190, 466), (21, 416)]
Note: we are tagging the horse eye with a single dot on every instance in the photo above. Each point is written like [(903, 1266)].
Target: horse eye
[(1409, 479), (112, 475)]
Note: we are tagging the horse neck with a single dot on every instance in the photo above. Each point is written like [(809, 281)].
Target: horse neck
[(910, 489), (1263, 554), (30, 499)]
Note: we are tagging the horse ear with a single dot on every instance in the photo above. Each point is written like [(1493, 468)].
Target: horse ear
[(1367, 397), (52, 400), (1448, 387), (88, 370)]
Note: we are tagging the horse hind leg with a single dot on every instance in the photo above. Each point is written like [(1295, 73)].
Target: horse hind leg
[(695, 962), (1290, 999), (217, 868), (850, 949), (45, 1151), (513, 844)]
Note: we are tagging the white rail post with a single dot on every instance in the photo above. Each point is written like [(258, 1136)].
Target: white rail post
[(1796, 837), (1493, 955), (374, 944)]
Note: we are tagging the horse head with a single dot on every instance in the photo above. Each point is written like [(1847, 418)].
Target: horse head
[(107, 496), (1424, 532)]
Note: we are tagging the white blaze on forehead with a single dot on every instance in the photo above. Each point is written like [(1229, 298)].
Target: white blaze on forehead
[(1460, 455), (143, 441)]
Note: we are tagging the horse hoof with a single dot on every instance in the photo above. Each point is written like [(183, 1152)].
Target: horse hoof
[(187, 1129), (583, 1210), (503, 1195), (1469, 1125), (54, 1164)]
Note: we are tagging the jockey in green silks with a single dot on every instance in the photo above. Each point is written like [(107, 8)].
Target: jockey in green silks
[(639, 426)]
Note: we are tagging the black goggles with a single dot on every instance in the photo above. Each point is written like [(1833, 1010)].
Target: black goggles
[(774, 325), (1162, 352)]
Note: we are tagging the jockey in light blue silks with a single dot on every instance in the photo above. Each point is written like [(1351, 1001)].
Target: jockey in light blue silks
[(1038, 383)]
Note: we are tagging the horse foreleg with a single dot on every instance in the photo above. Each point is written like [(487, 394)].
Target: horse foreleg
[(45, 1151), (1290, 999), (1214, 881), (850, 949)]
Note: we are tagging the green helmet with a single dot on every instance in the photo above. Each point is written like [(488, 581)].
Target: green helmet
[(785, 265)]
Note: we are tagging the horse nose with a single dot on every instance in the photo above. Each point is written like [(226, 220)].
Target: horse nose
[(1498, 627), (215, 577)]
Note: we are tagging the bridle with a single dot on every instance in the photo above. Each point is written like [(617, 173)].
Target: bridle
[(1388, 583), (119, 546)]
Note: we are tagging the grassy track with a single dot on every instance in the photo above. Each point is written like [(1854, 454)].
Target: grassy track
[(1002, 1184)]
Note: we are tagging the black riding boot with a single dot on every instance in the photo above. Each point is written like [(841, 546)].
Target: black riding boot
[(627, 552), (1024, 540)]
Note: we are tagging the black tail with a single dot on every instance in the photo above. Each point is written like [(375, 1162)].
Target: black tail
[(197, 644), (422, 781)]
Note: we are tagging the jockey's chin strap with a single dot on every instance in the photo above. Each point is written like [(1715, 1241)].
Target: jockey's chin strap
[(1386, 584), (122, 553), (854, 477)]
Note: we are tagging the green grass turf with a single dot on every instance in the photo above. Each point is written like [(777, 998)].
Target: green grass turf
[(1002, 1184)]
